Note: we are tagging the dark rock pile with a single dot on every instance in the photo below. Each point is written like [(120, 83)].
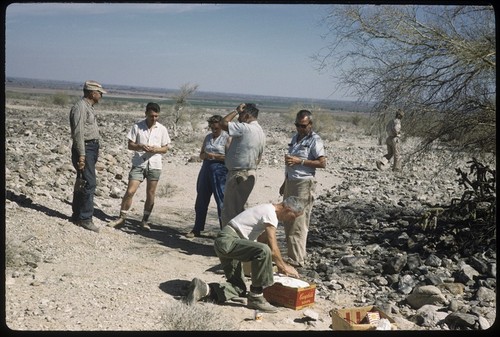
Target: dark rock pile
[(427, 274)]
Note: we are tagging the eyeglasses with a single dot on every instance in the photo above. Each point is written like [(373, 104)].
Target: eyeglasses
[(302, 126)]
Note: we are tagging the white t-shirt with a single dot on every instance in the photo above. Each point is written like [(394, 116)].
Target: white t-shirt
[(252, 221), (157, 136)]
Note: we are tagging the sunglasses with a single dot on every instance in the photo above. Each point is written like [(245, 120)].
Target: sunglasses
[(302, 126)]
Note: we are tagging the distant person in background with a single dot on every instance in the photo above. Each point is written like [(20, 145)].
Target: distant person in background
[(242, 158), (393, 140), (85, 152), (305, 154), (212, 175), (149, 139), (249, 237)]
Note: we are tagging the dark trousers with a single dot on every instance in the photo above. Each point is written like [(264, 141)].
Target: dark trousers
[(83, 202), (211, 181)]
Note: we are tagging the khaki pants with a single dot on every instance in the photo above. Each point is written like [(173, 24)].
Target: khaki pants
[(239, 185), (296, 233), (232, 251), (394, 150)]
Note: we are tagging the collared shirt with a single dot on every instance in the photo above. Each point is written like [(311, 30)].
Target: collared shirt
[(216, 145), (393, 128), (142, 135), (83, 123), (247, 145), (252, 221), (308, 148)]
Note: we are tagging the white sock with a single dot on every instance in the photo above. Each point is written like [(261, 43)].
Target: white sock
[(256, 295)]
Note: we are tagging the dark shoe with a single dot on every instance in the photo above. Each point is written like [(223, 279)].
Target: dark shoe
[(118, 223), (293, 263), (88, 224), (196, 291), (193, 234), (260, 303)]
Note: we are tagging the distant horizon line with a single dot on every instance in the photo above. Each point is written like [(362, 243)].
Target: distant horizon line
[(175, 90)]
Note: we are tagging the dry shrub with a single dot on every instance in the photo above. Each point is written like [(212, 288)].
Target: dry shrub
[(204, 316), (16, 256), (165, 190), (11, 254)]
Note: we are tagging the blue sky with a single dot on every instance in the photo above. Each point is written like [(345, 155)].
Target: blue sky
[(235, 48)]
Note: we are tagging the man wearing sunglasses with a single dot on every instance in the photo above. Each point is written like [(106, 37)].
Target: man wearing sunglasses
[(305, 154)]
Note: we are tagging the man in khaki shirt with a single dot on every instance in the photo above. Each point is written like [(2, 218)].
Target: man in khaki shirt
[(393, 140), (84, 153)]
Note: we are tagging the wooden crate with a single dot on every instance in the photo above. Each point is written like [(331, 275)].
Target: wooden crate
[(294, 298), (358, 318)]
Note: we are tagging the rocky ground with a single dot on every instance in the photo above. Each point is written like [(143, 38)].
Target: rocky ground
[(368, 244)]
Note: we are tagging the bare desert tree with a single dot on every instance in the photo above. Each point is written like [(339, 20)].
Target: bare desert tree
[(181, 102), (437, 63)]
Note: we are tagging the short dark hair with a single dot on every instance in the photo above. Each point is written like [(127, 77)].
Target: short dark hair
[(215, 119), (251, 109), (304, 113), (153, 106)]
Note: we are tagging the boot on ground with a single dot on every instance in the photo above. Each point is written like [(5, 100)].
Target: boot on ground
[(258, 302)]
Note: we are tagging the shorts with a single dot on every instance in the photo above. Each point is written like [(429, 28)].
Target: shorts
[(139, 173)]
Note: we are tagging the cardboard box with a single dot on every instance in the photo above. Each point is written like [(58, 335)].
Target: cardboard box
[(362, 318), (294, 298)]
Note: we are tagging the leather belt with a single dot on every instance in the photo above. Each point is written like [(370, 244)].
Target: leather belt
[(91, 141), (235, 230)]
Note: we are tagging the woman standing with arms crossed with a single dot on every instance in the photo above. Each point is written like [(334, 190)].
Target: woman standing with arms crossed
[(212, 175)]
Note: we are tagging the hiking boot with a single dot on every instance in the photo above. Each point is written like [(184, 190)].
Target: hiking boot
[(88, 224), (197, 290), (145, 226), (293, 263), (193, 234), (118, 223), (258, 302)]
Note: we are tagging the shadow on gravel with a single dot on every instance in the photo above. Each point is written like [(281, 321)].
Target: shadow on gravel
[(177, 288), (172, 238), (26, 202)]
